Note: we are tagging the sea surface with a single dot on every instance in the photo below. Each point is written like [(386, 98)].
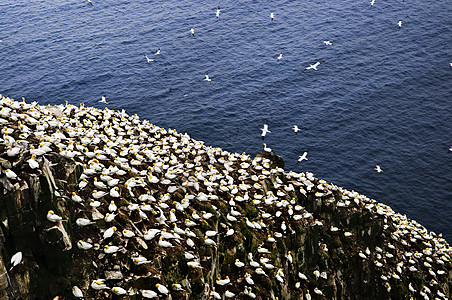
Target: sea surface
[(383, 95)]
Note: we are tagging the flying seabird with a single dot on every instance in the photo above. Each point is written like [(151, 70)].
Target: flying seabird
[(328, 43), (265, 130), (207, 78), (295, 129), (272, 16), (378, 169), (303, 157), (450, 148), (372, 3), (149, 59), (314, 66), (218, 12), (90, 2), (192, 31), (104, 99), (400, 24), (158, 52), (280, 56)]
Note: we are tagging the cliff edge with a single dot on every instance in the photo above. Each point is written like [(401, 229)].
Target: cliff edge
[(103, 205)]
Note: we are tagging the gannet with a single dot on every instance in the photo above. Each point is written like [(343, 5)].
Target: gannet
[(295, 129), (77, 292), (280, 56), (148, 294), (400, 24), (158, 52), (119, 290), (266, 149), (10, 174), (109, 232), (303, 157), (372, 3), (84, 245), (218, 12), (15, 260), (272, 16), (162, 289), (378, 169), (104, 99), (192, 31), (265, 130), (83, 222), (328, 43), (314, 66), (229, 294), (90, 2), (52, 217), (207, 78), (149, 59), (450, 148)]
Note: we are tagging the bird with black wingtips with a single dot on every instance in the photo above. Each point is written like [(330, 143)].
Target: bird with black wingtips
[(303, 156), (314, 66), (265, 130)]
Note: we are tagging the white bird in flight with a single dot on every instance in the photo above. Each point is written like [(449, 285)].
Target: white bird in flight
[(400, 24), (207, 78), (280, 56), (192, 31), (149, 59), (372, 3), (272, 16), (295, 129), (158, 52), (303, 157), (218, 12), (378, 169), (314, 66), (90, 2), (104, 99), (265, 130), (328, 43)]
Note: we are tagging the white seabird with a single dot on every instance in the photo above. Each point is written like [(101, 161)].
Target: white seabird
[(272, 16), (303, 157), (372, 3), (280, 56), (400, 24), (149, 59), (314, 66), (265, 130), (218, 13), (378, 169), (192, 31), (295, 129), (104, 99), (158, 52), (207, 78), (15, 260), (328, 43)]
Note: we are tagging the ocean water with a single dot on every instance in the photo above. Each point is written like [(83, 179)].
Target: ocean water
[(382, 96)]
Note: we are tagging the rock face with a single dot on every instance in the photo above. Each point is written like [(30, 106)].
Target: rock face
[(148, 212)]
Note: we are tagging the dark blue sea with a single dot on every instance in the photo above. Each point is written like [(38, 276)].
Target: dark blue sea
[(382, 96)]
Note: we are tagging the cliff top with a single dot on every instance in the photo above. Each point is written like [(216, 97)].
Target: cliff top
[(106, 205)]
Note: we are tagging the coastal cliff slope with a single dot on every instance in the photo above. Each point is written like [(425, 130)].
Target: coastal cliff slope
[(104, 205)]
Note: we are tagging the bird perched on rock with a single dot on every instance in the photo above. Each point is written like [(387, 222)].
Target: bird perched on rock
[(15, 260), (52, 217)]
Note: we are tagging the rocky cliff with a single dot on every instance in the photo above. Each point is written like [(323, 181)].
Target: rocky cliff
[(103, 205)]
